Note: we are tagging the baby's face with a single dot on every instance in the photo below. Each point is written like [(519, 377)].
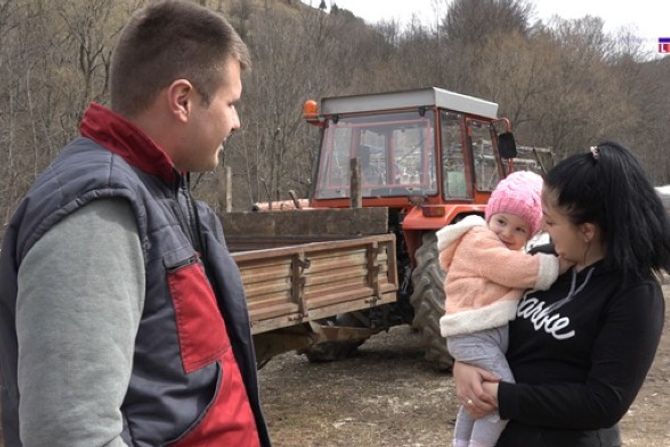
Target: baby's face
[(512, 230)]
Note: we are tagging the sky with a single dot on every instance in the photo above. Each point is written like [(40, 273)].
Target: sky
[(648, 19)]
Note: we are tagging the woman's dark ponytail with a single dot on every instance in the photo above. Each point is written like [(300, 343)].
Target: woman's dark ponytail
[(607, 186)]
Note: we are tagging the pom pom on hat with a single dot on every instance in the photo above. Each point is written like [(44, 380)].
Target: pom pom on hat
[(520, 193)]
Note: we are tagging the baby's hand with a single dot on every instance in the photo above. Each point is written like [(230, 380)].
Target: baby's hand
[(564, 265)]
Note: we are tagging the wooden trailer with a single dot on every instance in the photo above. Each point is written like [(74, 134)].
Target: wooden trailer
[(301, 268)]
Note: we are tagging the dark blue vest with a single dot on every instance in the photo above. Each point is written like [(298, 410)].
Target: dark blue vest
[(171, 230)]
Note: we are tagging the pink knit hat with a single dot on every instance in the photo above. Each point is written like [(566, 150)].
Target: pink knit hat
[(520, 194)]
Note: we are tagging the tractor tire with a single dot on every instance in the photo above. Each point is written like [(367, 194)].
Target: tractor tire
[(428, 302), (331, 351)]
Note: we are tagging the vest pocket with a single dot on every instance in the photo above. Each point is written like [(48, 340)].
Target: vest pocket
[(228, 419), (200, 328)]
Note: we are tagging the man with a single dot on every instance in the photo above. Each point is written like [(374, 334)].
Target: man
[(123, 319)]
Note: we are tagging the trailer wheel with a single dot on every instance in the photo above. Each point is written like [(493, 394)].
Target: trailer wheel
[(331, 351), (428, 302)]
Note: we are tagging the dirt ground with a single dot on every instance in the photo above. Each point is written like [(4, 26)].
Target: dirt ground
[(388, 396)]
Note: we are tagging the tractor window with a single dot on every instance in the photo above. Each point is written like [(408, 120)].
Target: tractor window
[(396, 152), (372, 157), (453, 163), (484, 157), (338, 172)]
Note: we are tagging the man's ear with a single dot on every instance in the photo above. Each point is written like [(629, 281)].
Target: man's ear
[(181, 96)]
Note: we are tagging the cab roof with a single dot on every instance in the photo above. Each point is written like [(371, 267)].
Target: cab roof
[(426, 97)]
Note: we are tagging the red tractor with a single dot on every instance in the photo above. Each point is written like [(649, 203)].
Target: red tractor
[(430, 156)]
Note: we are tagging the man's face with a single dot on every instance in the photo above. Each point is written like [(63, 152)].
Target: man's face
[(211, 124)]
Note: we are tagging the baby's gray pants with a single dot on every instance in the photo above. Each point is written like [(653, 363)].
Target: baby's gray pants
[(485, 349)]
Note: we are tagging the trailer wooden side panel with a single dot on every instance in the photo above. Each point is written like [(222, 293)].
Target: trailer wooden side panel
[(292, 285), (270, 229)]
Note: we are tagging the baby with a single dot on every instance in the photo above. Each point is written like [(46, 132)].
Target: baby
[(487, 271)]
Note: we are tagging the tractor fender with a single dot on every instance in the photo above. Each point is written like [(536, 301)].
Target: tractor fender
[(416, 223)]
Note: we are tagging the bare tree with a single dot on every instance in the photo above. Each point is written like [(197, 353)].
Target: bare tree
[(476, 20), (564, 83)]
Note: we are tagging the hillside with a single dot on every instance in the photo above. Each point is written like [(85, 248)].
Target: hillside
[(564, 85)]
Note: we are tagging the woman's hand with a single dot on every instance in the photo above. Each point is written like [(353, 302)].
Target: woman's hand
[(491, 391), (476, 389)]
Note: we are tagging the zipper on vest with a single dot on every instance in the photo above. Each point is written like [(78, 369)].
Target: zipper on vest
[(186, 217), (189, 210), (185, 263)]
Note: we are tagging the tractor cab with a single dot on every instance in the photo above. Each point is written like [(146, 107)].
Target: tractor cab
[(428, 147)]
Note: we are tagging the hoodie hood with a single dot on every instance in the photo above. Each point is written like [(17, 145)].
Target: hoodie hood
[(448, 237)]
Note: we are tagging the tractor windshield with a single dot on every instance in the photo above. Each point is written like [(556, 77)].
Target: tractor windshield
[(396, 153)]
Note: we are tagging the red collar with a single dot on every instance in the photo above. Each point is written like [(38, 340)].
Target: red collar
[(120, 136)]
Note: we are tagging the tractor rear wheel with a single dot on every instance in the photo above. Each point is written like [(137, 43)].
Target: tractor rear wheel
[(428, 302)]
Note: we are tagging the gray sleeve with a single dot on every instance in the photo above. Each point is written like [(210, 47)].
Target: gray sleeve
[(80, 298)]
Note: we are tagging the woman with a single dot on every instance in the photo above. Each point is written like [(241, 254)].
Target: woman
[(580, 351)]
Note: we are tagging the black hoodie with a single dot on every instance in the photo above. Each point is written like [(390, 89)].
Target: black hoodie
[(580, 352)]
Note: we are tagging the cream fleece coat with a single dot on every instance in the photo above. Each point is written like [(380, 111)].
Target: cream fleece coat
[(485, 279)]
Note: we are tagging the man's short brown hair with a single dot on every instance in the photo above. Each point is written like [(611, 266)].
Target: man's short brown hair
[(167, 41)]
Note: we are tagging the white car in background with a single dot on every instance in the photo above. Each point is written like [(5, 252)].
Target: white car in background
[(664, 192)]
